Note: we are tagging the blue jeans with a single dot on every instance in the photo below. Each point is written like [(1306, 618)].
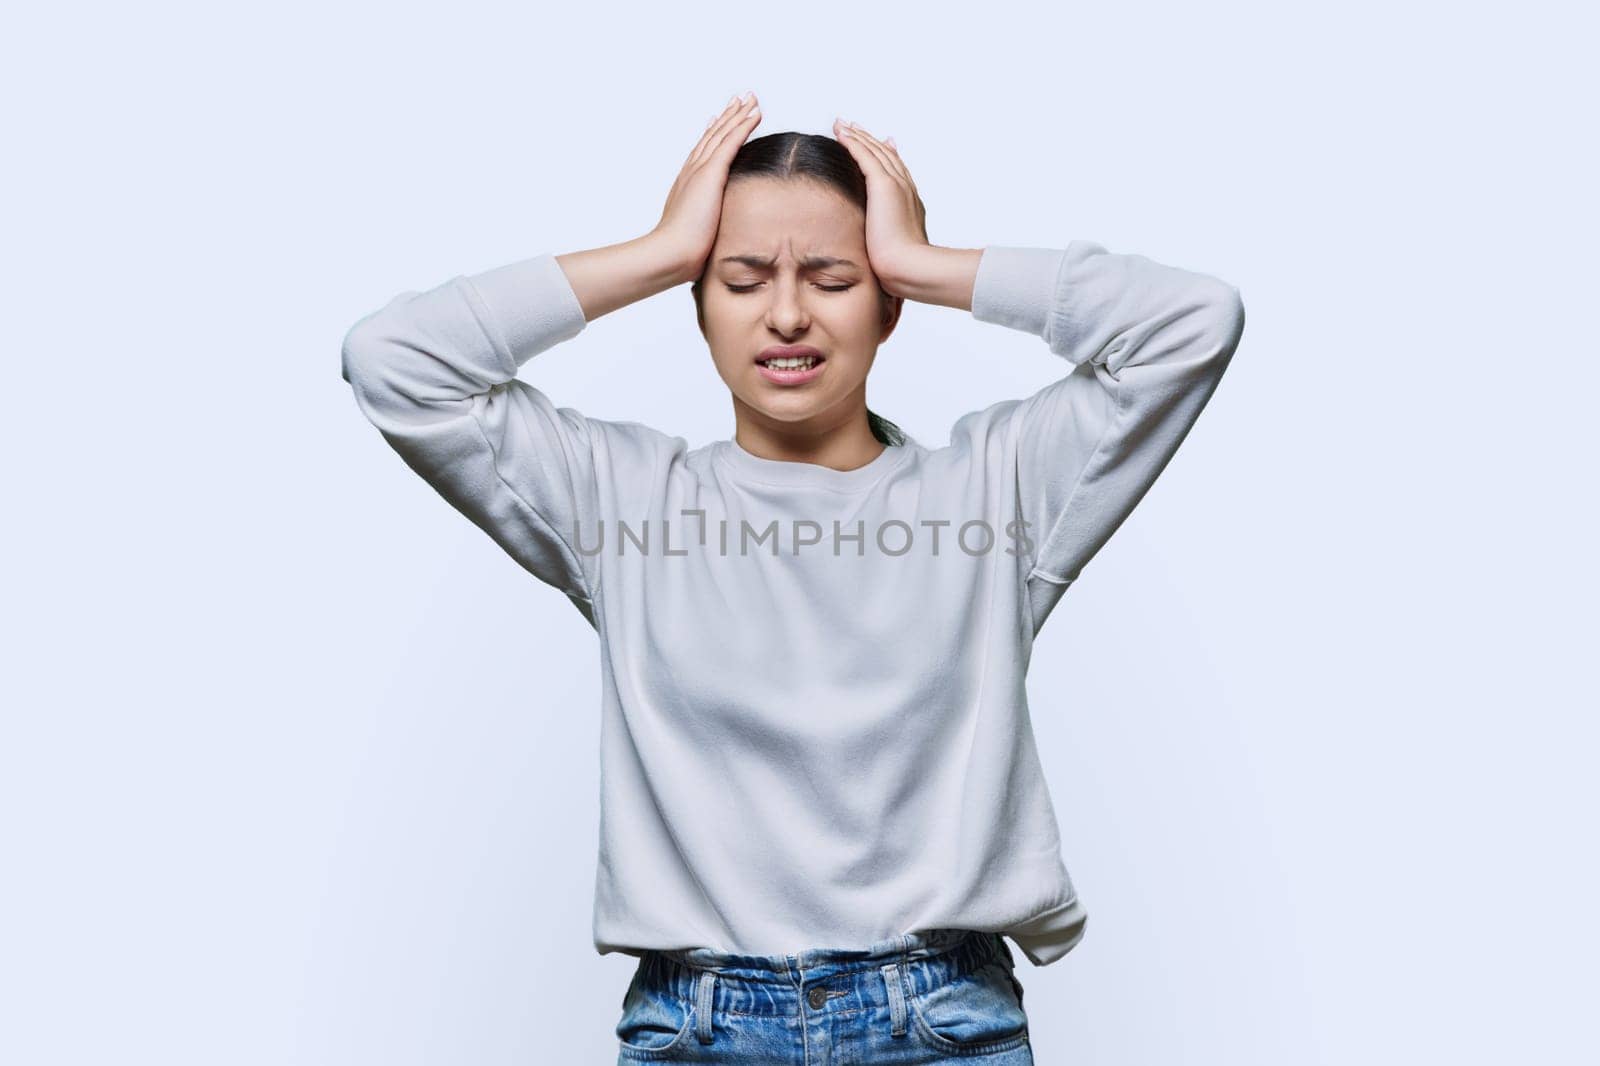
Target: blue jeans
[(921, 997)]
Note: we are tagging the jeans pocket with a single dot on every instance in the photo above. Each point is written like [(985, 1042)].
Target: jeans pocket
[(655, 1021), (977, 1012)]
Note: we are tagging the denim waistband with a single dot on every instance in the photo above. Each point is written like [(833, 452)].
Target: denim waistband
[(849, 978)]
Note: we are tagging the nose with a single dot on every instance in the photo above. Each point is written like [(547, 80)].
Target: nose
[(785, 313)]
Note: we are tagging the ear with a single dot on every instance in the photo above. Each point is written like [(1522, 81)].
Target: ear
[(891, 315)]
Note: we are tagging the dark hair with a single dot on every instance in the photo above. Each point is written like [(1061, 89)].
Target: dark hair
[(799, 156)]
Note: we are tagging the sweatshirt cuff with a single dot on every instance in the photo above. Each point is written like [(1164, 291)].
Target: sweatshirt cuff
[(1016, 287), (531, 303)]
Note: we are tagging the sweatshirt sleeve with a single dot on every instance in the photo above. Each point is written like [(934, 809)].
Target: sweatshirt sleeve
[(435, 372), (1147, 344)]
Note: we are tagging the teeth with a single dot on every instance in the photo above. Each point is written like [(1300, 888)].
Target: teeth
[(800, 363)]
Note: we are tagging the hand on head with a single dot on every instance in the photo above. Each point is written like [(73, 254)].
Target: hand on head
[(694, 204), (897, 226), (896, 219)]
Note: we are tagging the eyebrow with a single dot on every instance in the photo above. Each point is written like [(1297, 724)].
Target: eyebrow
[(810, 262)]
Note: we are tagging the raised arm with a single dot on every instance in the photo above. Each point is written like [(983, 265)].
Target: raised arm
[(1148, 344), (436, 373)]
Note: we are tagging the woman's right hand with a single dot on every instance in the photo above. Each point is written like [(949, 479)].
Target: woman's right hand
[(688, 226)]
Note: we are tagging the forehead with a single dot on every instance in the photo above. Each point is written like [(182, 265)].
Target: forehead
[(769, 217)]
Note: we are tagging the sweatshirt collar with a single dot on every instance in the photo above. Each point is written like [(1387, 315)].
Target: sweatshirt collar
[(808, 475)]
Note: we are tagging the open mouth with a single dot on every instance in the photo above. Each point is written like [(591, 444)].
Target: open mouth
[(791, 369), (803, 362)]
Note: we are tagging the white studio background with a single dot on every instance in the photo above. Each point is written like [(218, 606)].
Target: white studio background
[(298, 768)]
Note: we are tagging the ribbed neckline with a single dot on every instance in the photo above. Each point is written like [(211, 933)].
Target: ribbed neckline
[(808, 475)]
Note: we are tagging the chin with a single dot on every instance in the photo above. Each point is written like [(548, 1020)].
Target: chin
[(794, 407), (792, 410)]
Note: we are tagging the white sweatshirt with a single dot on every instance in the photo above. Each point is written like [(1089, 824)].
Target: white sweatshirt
[(814, 726)]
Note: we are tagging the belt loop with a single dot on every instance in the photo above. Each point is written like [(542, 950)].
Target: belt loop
[(707, 989), (897, 998)]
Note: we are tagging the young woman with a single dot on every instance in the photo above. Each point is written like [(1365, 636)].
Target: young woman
[(821, 804)]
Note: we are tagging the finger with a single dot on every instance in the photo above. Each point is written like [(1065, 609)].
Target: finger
[(899, 164), (857, 146), (891, 162), (879, 154), (713, 128), (737, 115), (737, 132), (866, 143), (713, 120)]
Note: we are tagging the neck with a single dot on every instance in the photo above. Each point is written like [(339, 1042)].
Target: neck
[(845, 446)]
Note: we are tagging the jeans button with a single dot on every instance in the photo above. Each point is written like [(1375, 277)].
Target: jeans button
[(817, 997)]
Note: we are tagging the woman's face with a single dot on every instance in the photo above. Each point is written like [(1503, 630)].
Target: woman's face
[(789, 267)]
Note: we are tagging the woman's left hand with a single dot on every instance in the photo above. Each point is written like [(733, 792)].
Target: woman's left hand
[(897, 229)]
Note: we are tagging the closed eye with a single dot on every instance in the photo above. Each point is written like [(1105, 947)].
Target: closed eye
[(824, 288)]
